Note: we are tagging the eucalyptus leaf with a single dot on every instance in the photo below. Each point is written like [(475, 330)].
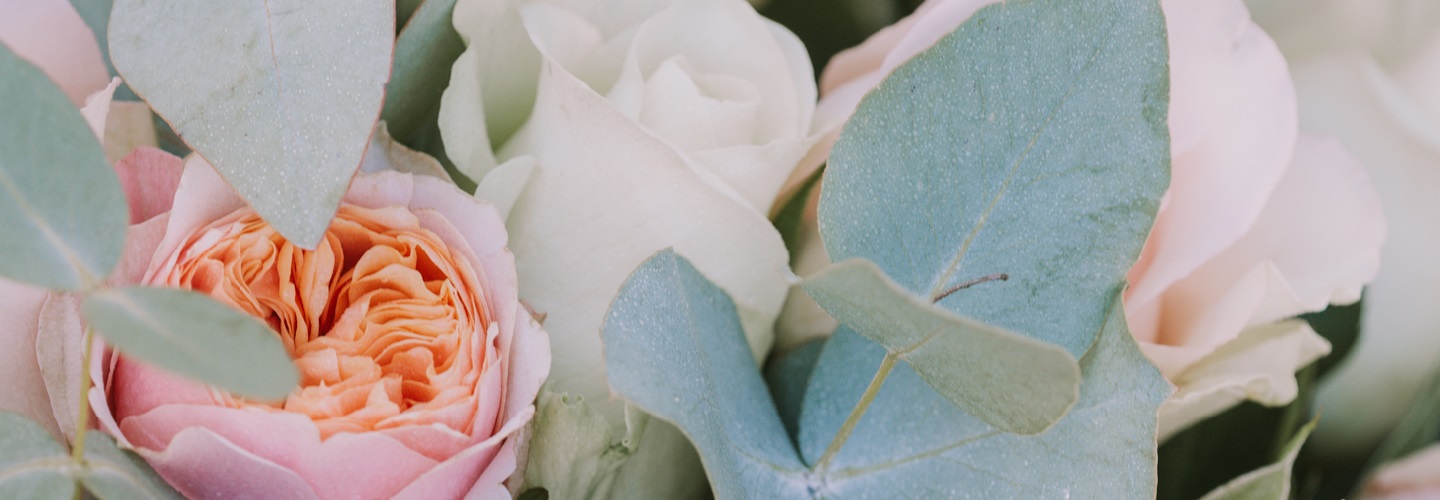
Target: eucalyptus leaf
[(62, 211), (1268, 482), (428, 45), (787, 375), (193, 335), (115, 474), (1016, 383), (675, 348), (669, 320), (913, 443), (1031, 142), (32, 464), (280, 95)]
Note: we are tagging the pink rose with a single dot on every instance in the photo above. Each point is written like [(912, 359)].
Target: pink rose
[(1261, 223), (419, 366)]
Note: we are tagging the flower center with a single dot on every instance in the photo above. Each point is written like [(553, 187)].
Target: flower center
[(381, 319)]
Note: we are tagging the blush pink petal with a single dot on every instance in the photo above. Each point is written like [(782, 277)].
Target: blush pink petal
[(453, 477), (23, 388), (1317, 241), (150, 177), (346, 465), (491, 485), (195, 454), (51, 35), (1233, 128)]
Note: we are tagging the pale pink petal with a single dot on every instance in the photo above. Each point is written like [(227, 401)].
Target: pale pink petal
[(345, 465), (1316, 242), (150, 177), (492, 482), (1233, 128), (457, 475), (195, 455), (23, 389), (529, 365), (1414, 477), (51, 35)]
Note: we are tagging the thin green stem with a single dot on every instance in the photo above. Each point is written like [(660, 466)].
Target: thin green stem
[(82, 421), (851, 421)]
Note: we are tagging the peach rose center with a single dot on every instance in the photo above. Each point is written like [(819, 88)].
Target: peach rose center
[(381, 318)]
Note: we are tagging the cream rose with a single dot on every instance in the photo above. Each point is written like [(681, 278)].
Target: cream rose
[(622, 128), (619, 129), (1366, 72), (1260, 223)]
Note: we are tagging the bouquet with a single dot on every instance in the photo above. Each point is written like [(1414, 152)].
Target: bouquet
[(719, 249)]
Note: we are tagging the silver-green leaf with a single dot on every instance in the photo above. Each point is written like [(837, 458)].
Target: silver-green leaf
[(1031, 142), (62, 211), (193, 335), (280, 95), (32, 464), (911, 437), (115, 474), (1016, 383), (674, 348), (426, 48)]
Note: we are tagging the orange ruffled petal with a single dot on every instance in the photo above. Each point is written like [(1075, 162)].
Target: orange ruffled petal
[(381, 319)]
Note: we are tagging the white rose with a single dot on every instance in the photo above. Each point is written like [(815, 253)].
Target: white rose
[(615, 129), (1366, 72)]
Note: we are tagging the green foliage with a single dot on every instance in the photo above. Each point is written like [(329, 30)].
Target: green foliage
[(191, 334), (33, 465), (667, 320), (1031, 142), (280, 96), (1271, 482), (1218, 449), (115, 474), (1013, 382), (62, 212)]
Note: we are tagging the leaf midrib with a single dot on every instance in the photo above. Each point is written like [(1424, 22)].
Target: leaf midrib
[(955, 262)]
